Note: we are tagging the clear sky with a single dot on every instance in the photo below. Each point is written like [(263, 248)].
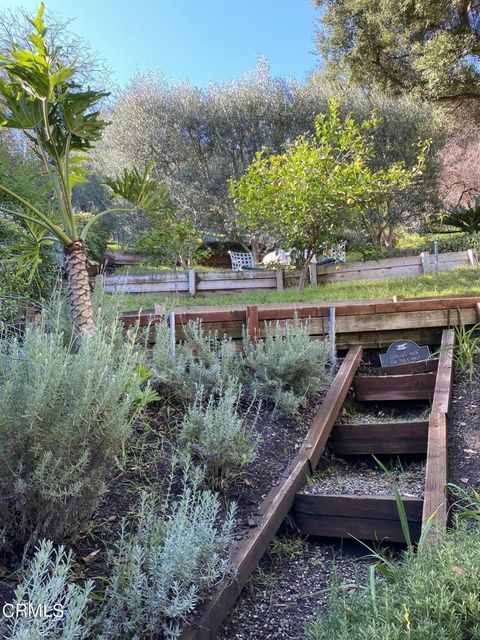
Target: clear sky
[(195, 40)]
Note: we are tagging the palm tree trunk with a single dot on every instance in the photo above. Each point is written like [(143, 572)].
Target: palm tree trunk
[(79, 289)]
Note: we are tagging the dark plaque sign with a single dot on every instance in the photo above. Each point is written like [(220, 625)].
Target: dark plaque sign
[(403, 351)]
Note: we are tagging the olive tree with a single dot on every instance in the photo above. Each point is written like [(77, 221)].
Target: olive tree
[(199, 138), (320, 185)]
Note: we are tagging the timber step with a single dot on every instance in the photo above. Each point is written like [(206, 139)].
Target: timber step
[(407, 386), (341, 516), (380, 438), (367, 517), (375, 517)]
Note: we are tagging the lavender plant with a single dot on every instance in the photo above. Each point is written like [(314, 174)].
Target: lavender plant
[(163, 568), (201, 360), (55, 608), (287, 367), (215, 434), (65, 415)]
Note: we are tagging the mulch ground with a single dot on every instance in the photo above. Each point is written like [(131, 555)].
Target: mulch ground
[(464, 433)]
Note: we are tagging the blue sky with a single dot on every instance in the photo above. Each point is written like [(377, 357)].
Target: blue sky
[(195, 40)]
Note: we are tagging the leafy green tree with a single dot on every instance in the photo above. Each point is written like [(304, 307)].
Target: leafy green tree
[(321, 184), (428, 46), (198, 139), (39, 97), (170, 240)]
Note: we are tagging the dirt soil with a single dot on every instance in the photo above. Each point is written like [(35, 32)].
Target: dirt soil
[(464, 433), (290, 587)]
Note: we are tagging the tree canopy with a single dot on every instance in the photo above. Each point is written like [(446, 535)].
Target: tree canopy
[(431, 47), (197, 139), (320, 185)]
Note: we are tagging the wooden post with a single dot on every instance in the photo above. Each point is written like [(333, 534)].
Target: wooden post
[(477, 311), (435, 250), (100, 281), (253, 329), (425, 258), (279, 277), (331, 337), (191, 282), (472, 258), (173, 338), (312, 268), (435, 503)]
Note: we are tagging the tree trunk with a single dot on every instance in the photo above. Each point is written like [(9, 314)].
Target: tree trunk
[(303, 276), (79, 289)]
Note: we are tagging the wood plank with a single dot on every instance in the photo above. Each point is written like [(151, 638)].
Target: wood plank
[(253, 329), (363, 517), (322, 425), (407, 367), (381, 339), (435, 504), (425, 258), (381, 273), (444, 381), (356, 527), (279, 277), (415, 386), (387, 321), (246, 554), (236, 284), (219, 276), (381, 507), (380, 438), (371, 265), (146, 279)]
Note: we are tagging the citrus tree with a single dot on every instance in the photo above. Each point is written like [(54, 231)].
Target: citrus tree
[(61, 121), (320, 185)]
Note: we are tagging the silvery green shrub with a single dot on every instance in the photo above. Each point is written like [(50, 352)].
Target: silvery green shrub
[(286, 367), (166, 565), (65, 415), (200, 360), (48, 589), (215, 434)]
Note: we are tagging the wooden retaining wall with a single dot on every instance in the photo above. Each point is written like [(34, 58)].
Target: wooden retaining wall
[(372, 324), (193, 282)]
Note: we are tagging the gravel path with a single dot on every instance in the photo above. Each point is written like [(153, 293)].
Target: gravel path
[(364, 478), (287, 590)]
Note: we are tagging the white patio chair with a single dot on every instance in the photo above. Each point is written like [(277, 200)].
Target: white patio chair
[(240, 260)]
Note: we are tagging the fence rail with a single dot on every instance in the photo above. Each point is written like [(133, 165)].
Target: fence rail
[(193, 282)]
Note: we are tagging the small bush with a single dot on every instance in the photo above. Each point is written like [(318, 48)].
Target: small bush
[(47, 585), (287, 367), (64, 419), (459, 242), (215, 434), (200, 361), (433, 594), (163, 568)]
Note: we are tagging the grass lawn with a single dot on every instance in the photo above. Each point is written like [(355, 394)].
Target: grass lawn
[(461, 281)]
